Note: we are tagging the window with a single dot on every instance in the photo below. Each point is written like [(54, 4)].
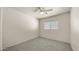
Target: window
[(51, 25), (47, 25)]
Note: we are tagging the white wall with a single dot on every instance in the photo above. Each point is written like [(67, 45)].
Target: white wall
[(18, 27), (75, 28), (61, 34), (0, 31)]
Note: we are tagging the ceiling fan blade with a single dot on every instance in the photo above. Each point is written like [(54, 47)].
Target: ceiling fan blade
[(36, 9), (42, 9), (49, 10)]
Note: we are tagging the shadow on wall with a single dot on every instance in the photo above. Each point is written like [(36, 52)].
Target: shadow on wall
[(18, 27)]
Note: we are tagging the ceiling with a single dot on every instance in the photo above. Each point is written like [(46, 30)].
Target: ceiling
[(55, 11)]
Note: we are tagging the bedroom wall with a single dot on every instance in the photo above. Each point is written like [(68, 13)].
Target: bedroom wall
[(60, 34), (75, 28), (0, 30), (18, 27)]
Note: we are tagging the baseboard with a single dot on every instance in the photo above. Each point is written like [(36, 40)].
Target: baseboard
[(20, 42), (55, 40)]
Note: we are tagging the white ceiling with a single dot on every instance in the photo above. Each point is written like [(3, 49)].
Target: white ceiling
[(30, 11)]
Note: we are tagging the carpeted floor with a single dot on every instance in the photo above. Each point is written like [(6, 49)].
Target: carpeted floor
[(41, 44)]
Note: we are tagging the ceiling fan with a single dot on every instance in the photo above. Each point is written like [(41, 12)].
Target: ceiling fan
[(42, 10)]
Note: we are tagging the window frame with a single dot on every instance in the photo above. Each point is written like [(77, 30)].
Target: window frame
[(51, 25)]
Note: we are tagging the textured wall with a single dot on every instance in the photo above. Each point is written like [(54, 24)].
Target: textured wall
[(18, 27), (75, 28), (0, 30), (60, 34)]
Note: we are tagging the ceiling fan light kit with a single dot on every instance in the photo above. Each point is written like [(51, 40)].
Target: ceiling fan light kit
[(43, 10), (41, 13)]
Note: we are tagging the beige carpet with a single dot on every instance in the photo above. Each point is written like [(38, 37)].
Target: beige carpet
[(41, 44)]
